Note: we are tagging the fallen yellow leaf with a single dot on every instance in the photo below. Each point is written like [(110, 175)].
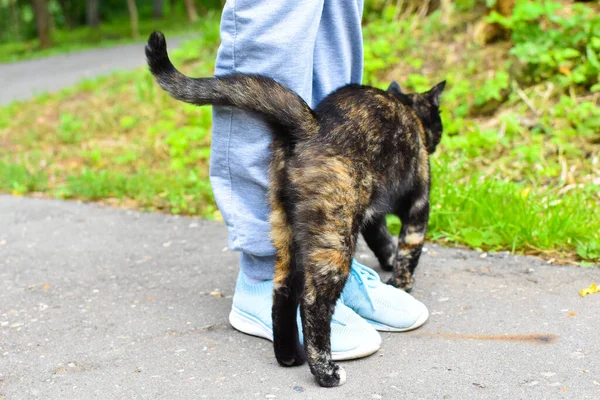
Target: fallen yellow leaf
[(564, 70), (592, 289)]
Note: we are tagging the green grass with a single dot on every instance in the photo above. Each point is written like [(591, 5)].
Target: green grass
[(496, 215), (117, 138), (518, 167), (152, 190), (107, 35)]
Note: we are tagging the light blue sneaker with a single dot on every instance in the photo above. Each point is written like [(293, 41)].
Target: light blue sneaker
[(383, 306), (351, 336)]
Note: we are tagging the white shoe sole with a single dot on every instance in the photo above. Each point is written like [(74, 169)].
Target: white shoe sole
[(386, 328), (242, 323), (239, 321)]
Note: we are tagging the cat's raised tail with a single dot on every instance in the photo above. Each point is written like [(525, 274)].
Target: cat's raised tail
[(256, 93)]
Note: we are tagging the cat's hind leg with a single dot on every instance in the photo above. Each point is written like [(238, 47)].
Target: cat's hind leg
[(325, 229), (288, 281), (326, 271), (288, 285)]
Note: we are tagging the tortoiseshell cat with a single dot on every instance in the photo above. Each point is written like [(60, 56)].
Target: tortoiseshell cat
[(335, 171)]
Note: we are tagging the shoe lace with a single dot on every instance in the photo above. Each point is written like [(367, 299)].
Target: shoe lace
[(366, 277)]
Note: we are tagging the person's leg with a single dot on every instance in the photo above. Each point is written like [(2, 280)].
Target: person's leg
[(338, 54), (276, 39), (273, 38), (339, 61)]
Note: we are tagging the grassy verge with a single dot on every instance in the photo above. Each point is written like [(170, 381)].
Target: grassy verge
[(119, 139), (518, 168), (107, 35)]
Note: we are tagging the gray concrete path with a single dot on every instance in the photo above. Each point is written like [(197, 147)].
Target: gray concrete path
[(100, 303), (23, 80)]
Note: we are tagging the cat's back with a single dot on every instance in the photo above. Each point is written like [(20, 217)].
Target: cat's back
[(365, 121), (355, 103)]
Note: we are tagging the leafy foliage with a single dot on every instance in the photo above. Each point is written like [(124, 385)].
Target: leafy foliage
[(554, 43), (70, 32), (17, 15), (513, 180)]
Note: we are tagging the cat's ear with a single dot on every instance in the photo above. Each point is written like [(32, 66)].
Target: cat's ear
[(394, 89), (435, 93)]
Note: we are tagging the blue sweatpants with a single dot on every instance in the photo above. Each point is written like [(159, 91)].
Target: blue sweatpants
[(311, 46)]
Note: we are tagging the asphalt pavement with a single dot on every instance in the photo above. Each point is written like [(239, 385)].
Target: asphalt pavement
[(25, 79), (103, 303)]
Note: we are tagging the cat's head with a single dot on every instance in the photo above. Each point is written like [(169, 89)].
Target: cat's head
[(427, 107)]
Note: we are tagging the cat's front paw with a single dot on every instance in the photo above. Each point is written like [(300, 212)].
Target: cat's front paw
[(403, 281)]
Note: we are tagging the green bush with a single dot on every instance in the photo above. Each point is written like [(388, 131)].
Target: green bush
[(555, 44)]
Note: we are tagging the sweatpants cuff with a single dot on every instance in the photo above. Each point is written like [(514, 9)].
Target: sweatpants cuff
[(255, 267)]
